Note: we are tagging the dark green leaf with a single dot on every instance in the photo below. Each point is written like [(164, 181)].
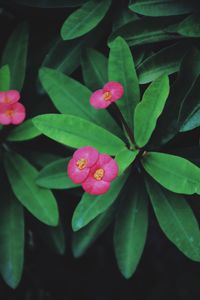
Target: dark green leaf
[(76, 132), (15, 55), (173, 172), (190, 27), (94, 68), (192, 122), (157, 8), (4, 78), (11, 239), (51, 3), (91, 206), (54, 175), (122, 69), (176, 219), (149, 109), (23, 132), (124, 16), (40, 202), (131, 229), (84, 19)]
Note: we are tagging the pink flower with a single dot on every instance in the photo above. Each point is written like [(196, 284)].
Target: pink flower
[(13, 113), (9, 97), (101, 174), (111, 92), (81, 162)]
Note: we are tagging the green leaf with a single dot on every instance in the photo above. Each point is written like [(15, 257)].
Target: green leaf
[(145, 31), (25, 131), (190, 27), (123, 17), (157, 8), (76, 132), (84, 19), (131, 229), (11, 239), (122, 69), (192, 122), (91, 206), (94, 69), (176, 219), (54, 176), (149, 109), (168, 125), (4, 78), (51, 3), (124, 158), (71, 97), (41, 159), (86, 236), (15, 55), (173, 172), (40, 202), (165, 61)]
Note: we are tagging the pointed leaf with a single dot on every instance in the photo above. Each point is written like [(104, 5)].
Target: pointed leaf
[(175, 173), (176, 219), (91, 206), (54, 176), (190, 27), (76, 132), (149, 109), (131, 229), (124, 158), (121, 68), (40, 202), (25, 131), (15, 55), (11, 239), (84, 19), (94, 69), (4, 78)]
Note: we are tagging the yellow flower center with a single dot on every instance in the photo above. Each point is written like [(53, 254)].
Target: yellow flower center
[(98, 175), (9, 112), (107, 96), (81, 163)]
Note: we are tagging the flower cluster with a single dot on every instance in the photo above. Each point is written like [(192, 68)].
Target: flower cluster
[(93, 170), (11, 111), (111, 92)]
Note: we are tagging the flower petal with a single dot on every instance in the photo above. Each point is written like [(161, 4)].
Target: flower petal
[(75, 174), (95, 187), (111, 170), (13, 96), (97, 100), (115, 88), (4, 118), (19, 113), (88, 153)]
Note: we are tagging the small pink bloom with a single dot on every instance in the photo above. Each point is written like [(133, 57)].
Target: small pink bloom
[(9, 97), (81, 162), (111, 92), (12, 113), (100, 175)]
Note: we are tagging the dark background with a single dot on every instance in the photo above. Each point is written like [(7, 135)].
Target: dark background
[(163, 272)]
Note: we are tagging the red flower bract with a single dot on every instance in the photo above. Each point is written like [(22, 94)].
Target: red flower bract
[(12, 113), (111, 92)]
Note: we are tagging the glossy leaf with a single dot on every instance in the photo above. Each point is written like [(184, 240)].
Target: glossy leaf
[(71, 97), (94, 69), (124, 158), (145, 31), (86, 236), (25, 131), (15, 55), (149, 109), (131, 229), (173, 172), (4, 78), (165, 61), (11, 239), (91, 206), (50, 3), (122, 69), (84, 19), (190, 27), (176, 219), (40, 202), (192, 122), (76, 132), (54, 176), (157, 8)]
